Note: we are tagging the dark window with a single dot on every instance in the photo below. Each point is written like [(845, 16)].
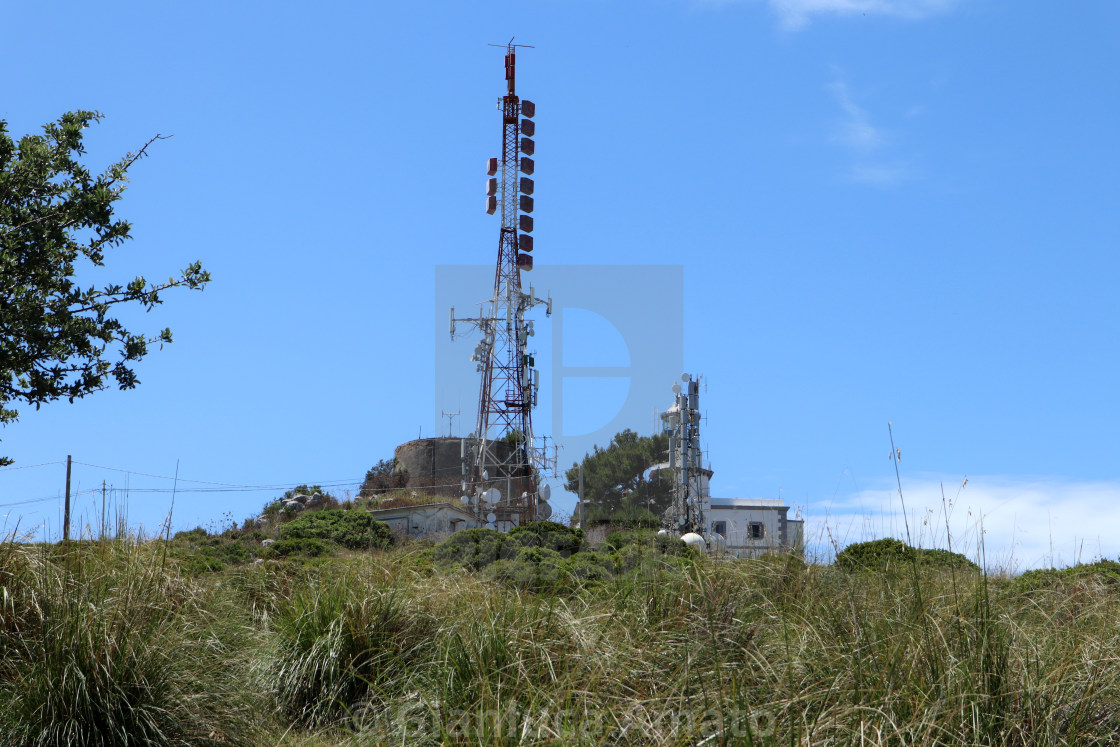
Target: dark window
[(720, 528), (756, 530)]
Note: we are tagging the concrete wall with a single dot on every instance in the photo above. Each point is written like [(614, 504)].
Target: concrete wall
[(434, 466), (432, 521)]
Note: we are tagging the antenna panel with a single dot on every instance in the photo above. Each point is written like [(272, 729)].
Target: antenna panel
[(528, 127)]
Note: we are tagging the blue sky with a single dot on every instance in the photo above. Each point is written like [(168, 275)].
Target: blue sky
[(882, 210)]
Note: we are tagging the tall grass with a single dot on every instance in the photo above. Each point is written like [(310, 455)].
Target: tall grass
[(101, 646), (106, 643)]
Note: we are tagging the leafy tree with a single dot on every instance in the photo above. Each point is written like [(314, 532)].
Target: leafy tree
[(614, 478), (57, 339)]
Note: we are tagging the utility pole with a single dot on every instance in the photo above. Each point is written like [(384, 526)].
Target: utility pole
[(581, 496), (66, 511), (102, 532)]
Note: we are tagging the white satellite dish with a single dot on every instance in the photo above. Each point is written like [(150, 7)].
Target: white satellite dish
[(686, 378), (490, 526), (465, 499), (493, 495), (491, 517), (485, 475), (676, 388), (545, 492), (544, 511)]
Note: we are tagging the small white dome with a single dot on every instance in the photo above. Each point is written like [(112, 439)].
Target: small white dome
[(692, 539)]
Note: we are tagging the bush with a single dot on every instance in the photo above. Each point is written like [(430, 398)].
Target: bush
[(305, 546), (1104, 571), (588, 568), (558, 537), (477, 548), (353, 529), (892, 554)]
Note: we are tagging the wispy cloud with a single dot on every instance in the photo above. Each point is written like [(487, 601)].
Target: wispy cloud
[(855, 130), (867, 142), (1022, 523), (795, 14)]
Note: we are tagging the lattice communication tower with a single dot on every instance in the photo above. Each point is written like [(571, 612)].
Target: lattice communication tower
[(503, 460)]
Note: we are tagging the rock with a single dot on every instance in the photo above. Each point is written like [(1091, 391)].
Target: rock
[(268, 542), (314, 500)]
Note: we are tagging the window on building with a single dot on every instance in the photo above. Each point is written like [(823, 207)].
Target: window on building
[(720, 528), (756, 530)]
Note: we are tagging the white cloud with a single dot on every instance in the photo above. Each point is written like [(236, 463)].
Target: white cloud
[(1023, 523), (856, 132), (795, 14)]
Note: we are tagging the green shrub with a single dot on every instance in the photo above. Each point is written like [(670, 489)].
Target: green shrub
[(305, 546), (623, 537), (588, 568), (352, 529), (476, 548), (549, 534), (1103, 571), (892, 554)]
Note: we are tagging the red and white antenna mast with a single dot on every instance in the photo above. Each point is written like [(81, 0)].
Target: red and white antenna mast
[(503, 461)]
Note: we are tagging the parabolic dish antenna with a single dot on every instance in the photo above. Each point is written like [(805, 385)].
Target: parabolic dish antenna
[(545, 492), (544, 511), (686, 378), (465, 499), (491, 517), (490, 526), (676, 388), (493, 495)]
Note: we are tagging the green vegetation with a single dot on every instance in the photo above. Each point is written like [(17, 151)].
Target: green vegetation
[(536, 638), (617, 484), (58, 339), (352, 529), (891, 554)]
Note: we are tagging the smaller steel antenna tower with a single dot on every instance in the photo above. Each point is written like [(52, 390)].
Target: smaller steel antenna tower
[(691, 500), (450, 420), (503, 461)]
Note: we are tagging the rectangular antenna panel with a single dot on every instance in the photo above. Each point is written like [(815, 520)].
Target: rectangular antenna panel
[(528, 127), (528, 147), (525, 242), (525, 223), (527, 166), (491, 204), (528, 108), (525, 262), (526, 185), (491, 166)]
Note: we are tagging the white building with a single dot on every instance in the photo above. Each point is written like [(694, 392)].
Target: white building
[(755, 526), (428, 521)]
